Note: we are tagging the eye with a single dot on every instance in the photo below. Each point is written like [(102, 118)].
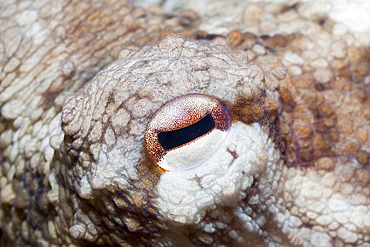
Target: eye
[(175, 138), (184, 130)]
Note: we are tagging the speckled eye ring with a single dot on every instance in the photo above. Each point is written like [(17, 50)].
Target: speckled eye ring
[(183, 120)]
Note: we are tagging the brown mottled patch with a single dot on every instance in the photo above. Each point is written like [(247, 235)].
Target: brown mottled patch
[(319, 87), (362, 135), (258, 108), (360, 95), (277, 41), (320, 143), (165, 33), (302, 130), (249, 40), (332, 136), (326, 123), (363, 177), (286, 100), (363, 157), (191, 14), (366, 113), (325, 110), (326, 118), (305, 155), (234, 38), (351, 146), (143, 40)]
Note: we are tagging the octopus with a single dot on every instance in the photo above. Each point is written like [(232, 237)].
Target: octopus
[(129, 126)]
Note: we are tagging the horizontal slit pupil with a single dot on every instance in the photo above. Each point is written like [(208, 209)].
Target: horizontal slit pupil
[(175, 138)]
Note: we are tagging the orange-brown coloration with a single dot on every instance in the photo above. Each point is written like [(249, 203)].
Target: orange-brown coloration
[(234, 38), (165, 33), (255, 109)]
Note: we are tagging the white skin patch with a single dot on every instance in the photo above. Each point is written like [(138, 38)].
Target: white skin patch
[(190, 156), (184, 196)]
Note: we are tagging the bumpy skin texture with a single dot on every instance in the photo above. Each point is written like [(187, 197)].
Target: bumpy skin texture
[(73, 166)]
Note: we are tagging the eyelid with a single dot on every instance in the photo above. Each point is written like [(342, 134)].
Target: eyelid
[(181, 112)]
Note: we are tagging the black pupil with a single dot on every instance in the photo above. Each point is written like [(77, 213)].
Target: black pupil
[(175, 138)]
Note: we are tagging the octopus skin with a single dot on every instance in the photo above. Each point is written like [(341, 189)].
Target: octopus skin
[(90, 93)]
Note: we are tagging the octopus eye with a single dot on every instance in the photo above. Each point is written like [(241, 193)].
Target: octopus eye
[(185, 130), (175, 138)]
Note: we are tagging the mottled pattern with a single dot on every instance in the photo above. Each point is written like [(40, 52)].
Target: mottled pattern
[(74, 170)]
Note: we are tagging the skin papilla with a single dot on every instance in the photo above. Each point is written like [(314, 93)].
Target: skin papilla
[(81, 81)]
